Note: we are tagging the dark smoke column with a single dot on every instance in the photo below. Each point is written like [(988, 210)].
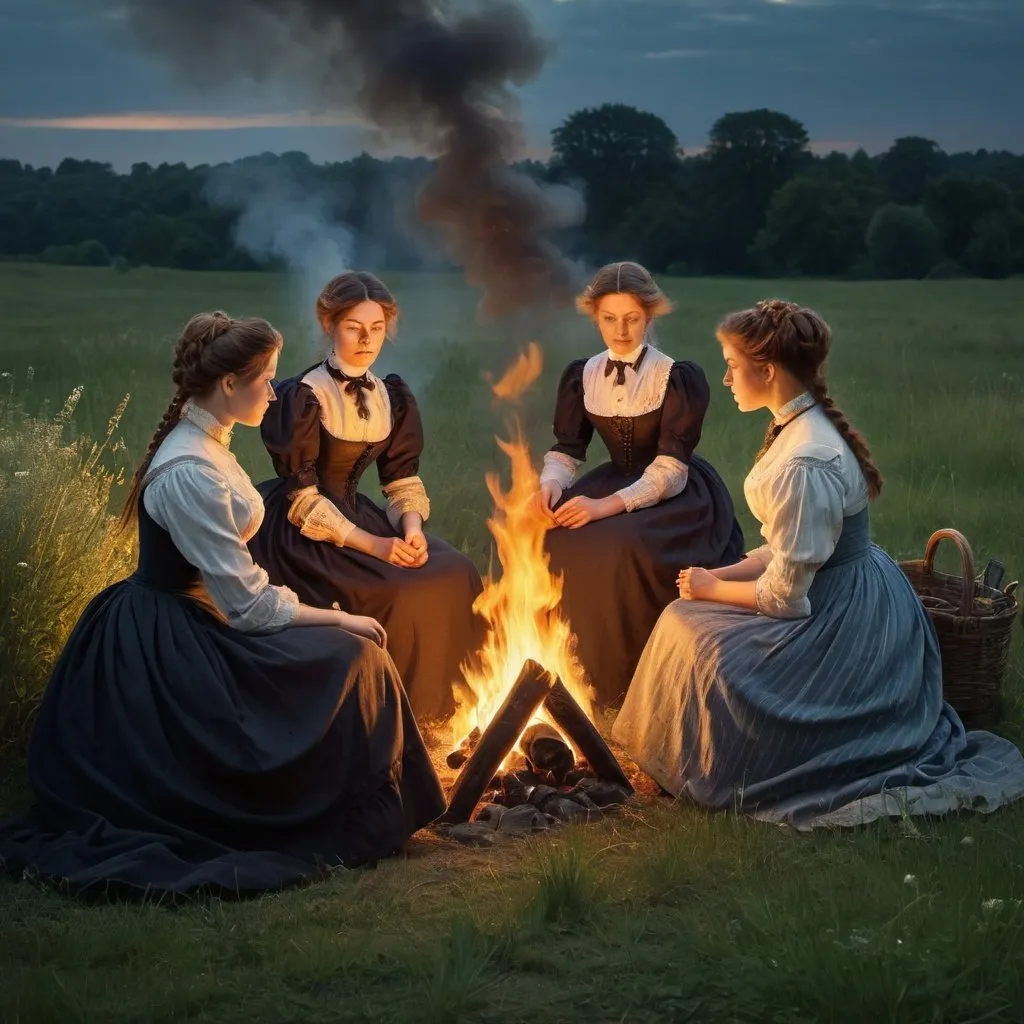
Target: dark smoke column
[(440, 74)]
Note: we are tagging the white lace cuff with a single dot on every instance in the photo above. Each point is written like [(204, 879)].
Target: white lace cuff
[(560, 469), (781, 590), (406, 495), (318, 517), (664, 478), (283, 615)]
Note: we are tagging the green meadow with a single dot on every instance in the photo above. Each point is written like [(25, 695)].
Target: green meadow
[(661, 913)]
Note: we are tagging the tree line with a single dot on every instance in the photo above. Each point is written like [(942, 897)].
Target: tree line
[(755, 200)]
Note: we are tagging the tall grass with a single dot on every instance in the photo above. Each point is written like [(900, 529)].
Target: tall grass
[(58, 547)]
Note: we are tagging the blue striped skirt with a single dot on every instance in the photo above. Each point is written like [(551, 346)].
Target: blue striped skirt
[(834, 719)]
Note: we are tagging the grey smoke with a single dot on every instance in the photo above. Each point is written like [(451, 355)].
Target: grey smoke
[(440, 74), (282, 217)]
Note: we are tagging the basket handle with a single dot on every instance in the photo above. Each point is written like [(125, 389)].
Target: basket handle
[(966, 564)]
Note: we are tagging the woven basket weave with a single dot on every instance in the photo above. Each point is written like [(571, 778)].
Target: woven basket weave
[(973, 623)]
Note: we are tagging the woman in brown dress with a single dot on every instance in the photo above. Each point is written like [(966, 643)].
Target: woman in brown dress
[(622, 532), (328, 542)]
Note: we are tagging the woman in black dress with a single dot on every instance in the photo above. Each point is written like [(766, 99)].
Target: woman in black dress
[(328, 542), (203, 729), (621, 533)]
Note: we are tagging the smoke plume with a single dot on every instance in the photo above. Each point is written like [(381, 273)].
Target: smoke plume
[(442, 75)]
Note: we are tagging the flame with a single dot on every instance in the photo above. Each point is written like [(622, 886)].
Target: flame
[(521, 374), (522, 607)]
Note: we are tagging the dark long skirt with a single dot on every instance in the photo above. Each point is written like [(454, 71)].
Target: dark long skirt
[(620, 572), (427, 612), (173, 754)]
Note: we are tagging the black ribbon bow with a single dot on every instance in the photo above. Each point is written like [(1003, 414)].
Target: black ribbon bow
[(354, 386), (619, 366)]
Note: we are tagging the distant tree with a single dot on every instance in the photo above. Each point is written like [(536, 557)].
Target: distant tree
[(990, 250), (812, 227), (957, 203), (617, 153), (750, 155), (907, 166), (902, 242), (92, 253)]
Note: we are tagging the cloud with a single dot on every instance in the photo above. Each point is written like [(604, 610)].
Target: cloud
[(181, 122), (675, 54)]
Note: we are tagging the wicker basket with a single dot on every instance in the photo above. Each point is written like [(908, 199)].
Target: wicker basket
[(973, 623)]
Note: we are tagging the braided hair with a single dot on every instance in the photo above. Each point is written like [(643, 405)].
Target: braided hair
[(211, 346), (775, 331)]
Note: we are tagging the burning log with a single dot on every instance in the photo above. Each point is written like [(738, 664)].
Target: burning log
[(497, 740), (571, 718), (546, 751), (461, 754)]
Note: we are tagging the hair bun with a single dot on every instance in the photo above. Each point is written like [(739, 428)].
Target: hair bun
[(220, 323), (778, 311)]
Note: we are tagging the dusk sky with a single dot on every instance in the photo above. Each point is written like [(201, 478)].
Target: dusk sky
[(74, 82)]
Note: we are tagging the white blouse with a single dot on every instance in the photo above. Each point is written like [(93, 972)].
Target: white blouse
[(642, 391), (196, 490), (318, 517), (803, 488)]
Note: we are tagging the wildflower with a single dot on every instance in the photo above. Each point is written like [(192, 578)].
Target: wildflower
[(967, 841), (910, 880), (30, 374), (21, 472), (992, 904), (6, 373), (22, 565)]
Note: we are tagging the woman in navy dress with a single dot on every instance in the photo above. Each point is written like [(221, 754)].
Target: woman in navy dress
[(622, 531), (328, 542), (203, 729)]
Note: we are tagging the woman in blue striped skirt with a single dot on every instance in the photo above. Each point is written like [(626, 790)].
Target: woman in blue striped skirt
[(804, 684)]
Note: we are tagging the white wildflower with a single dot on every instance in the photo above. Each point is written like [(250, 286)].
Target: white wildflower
[(21, 472), (22, 565), (992, 904), (30, 374), (910, 880), (967, 841)]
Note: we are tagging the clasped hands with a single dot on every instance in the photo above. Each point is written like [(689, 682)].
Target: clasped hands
[(576, 512)]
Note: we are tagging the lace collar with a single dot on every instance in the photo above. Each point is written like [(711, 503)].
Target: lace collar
[(347, 368), (793, 408), (630, 357), (206, 422)]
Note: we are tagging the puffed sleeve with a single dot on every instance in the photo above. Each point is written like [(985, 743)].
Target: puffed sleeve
[(572, 428), (398, 466), (291, 432), (192, 501), (802, 529), (682, 418)]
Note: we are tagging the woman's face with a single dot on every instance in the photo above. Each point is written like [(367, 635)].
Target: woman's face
[(748, 381), (359, 334), (248, 400), (622, 322)]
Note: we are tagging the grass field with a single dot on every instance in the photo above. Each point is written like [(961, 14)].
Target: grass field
[(663, 914)]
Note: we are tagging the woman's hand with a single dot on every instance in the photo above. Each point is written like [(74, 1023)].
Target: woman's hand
[(548, 494), (397, 551), (362, 625), (577, 512), (695, 584), (417, 540)]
